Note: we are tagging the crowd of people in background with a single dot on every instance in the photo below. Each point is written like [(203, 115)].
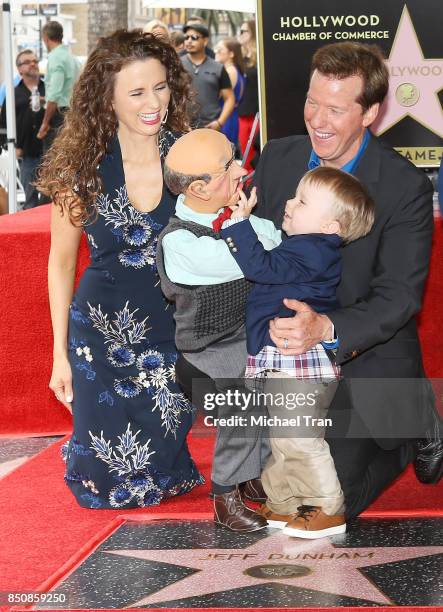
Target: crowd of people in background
[(224, 81), (40, 105)]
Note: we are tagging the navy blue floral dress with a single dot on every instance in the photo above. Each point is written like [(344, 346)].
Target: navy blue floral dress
[(128, 447)]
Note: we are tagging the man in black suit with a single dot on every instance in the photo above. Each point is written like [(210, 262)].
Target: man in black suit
[(374, 421)]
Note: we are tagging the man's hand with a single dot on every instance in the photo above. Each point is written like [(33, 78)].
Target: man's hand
[(243, 208), (296, 335), (44, 129)]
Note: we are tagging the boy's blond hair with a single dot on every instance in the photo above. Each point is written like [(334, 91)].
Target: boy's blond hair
[(353, 206)]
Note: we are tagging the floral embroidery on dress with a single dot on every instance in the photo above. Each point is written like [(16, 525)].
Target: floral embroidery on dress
[(105, 396), (93, 501), (150, 360), (137, 234), (122, 333), (166, 139), (91, 241), (137, 479), (131, 225), (77, 315), (108, 276), (170, 405), (120, 356), (77, 447), (122, 330), (88, 369), (83, 357), (130, 459), (128, 387), (137, 258), (86, 351)]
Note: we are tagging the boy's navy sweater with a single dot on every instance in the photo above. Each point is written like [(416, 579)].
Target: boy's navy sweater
[(305, 267)]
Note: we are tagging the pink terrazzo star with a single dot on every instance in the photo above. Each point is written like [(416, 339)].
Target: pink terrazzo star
[(421, 78), (328, 569)]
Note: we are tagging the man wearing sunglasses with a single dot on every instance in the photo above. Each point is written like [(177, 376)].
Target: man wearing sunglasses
[(193, 19), (209, 79), (28, 122)]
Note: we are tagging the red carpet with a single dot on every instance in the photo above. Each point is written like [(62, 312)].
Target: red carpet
[(27, 405), (42, 526), (346, 609), (430, 320)]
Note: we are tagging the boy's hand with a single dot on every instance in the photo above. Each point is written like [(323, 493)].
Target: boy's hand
[(244, 206)]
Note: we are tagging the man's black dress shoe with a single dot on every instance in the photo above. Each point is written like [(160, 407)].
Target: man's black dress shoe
[(252, 490), (428, 463), (230, 512)]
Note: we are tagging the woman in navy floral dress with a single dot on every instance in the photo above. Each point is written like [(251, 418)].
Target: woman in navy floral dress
[(114, 355)]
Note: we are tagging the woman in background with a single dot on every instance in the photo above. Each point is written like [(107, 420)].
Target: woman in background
[(178, 41), (158, 28), (228, 52), (248, 107)]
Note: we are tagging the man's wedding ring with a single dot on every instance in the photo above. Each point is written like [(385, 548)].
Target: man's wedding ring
[(285, 343)]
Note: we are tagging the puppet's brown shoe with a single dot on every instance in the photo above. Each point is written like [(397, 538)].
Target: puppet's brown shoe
[(252, 490), (231, 512)]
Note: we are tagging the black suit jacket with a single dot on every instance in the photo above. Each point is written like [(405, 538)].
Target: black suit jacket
[(381, 287)]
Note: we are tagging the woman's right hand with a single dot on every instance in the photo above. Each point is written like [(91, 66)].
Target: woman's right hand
[(61, 381)]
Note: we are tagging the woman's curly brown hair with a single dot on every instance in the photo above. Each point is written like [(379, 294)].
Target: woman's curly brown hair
[(69, 170)]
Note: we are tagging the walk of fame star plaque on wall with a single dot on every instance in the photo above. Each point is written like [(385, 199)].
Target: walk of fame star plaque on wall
[(408, 31)]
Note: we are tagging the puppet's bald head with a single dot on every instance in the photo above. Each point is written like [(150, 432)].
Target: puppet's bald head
[(198, 165), (201, 151)]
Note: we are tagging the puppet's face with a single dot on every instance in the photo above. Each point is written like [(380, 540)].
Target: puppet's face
[(225, 180), (207, 152)]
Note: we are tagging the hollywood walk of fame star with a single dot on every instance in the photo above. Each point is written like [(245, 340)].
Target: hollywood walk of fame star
[(331, 569), (413, 84)]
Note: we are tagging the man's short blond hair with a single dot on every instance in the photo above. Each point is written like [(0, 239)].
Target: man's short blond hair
[(353, 206)]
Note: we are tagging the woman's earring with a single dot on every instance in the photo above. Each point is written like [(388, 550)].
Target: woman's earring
[(165, 118)]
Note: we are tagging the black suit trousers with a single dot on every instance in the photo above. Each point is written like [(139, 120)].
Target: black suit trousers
[(363, 467)]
